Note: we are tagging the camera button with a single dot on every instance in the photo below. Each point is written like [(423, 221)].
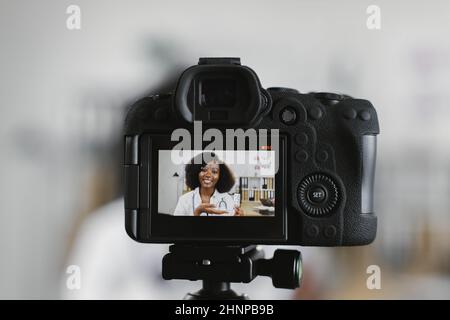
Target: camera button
[(301, 138), (315, 113), (349, 113), (301, 156), (322, 156), (288, 115), (329, 96), (282, 90), (312, 231), (330, 231), (364, 115), (316, 194)]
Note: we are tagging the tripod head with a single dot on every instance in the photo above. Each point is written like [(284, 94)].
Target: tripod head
[(219, 266)]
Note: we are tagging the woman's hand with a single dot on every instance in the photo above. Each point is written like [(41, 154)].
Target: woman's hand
[(208, 208), (238, 211)]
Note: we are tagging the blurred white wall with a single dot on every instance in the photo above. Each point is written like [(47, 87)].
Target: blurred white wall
[(63, 94)]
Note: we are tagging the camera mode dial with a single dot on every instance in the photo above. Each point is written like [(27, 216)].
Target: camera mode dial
[(318, 194), (282, 90)]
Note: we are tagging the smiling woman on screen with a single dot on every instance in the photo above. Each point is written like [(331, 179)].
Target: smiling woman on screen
[(210, 180)]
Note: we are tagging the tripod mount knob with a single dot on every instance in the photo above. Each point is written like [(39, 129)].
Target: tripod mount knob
[(285, 268)]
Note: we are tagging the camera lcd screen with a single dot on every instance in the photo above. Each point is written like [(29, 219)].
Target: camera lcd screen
[(227, 183), (218, 93)]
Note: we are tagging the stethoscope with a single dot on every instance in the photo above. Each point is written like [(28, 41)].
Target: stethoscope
[(222, 204)]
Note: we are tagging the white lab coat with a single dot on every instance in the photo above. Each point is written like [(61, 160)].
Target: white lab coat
[(191, 200)]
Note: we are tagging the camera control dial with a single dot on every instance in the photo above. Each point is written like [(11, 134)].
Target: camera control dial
[(318, 194)]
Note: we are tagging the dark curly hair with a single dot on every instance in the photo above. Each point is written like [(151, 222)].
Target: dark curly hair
[(195, 165)]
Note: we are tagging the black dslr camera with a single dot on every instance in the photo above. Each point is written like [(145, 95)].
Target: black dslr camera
[(222, 164), (306, 179)]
